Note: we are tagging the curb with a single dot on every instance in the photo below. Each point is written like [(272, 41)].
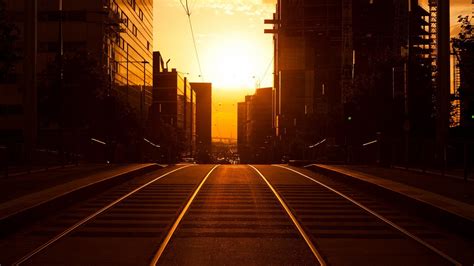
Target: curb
[(458, 223), (13, 222)]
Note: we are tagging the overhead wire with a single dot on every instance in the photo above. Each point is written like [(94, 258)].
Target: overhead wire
[(266, 70), (186, 8)]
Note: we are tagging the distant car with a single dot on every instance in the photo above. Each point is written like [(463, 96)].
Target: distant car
[(188, 160), (223, 161), (285, 159)]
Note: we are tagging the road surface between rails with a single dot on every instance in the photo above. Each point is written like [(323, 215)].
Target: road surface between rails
[(234, 215)]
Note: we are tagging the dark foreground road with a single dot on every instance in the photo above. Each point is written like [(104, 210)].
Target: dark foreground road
[(234, 215)]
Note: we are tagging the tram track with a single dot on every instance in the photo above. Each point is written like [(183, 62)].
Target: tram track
[(143, 212), (239, 215), (332, 214), (235, 219)]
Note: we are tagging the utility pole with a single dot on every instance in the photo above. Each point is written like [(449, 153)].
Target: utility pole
[(60, 78), (30, 88), (142, 94), (442, 80)]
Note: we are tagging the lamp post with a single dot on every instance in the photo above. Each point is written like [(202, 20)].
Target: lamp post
[(442, 80), (30, 93)]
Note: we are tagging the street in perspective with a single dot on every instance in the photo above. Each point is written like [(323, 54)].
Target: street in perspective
[(251, 132)]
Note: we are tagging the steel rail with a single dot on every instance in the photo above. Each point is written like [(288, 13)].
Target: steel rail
[(173, 228), (380, 217), (88, 218), (305, 236)]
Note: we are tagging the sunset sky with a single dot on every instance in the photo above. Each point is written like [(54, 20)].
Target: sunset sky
[(234, 53)]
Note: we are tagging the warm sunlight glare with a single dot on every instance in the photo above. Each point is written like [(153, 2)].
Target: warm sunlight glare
[(235, 63)]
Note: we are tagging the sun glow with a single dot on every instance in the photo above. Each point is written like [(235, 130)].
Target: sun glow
[(235, 63), (234, 53)]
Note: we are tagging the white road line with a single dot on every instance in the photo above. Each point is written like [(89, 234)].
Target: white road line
[(167, 239), (307, 239), (83, 221), (403, 231)]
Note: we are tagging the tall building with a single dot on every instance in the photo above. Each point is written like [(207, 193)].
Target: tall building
[(311, 50), (203, 119), (345, 70), (255, 133), (118, 33), (173, 112), (241, 127)]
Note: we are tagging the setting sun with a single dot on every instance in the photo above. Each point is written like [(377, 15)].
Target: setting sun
[(235, 62), (234, 53)]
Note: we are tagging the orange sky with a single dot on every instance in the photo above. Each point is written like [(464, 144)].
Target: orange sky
[(234, 53), (233, 50)]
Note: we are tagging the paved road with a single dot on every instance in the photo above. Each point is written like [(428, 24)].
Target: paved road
[(235, 215)]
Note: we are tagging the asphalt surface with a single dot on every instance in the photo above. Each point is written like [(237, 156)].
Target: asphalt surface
[(234, 219)]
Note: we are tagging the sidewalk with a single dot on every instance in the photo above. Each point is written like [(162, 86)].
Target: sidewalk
[(23, 192), (452, 195), (451, 173)]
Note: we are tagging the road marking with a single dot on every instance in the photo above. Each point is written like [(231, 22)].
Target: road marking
[(167, 239), (403, 231), (307, 239), (83, 221)]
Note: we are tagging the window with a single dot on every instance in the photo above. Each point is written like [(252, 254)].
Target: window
[(66, 16), (11, 109), (121, 42), (140, 14), (114, 7), (74, 16), (48, 47), (48, 16), (124, 19), (74, 46), (132, 3), (148, 46), (134, 30)]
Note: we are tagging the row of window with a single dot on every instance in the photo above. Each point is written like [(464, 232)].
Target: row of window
[(121, 43), (66, 15), (125, 21), (11, 109), (133, 4), (51, 47)]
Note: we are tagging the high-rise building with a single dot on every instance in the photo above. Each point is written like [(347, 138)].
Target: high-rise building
[(173, 112), (241, 128), (312, 47), (255, 133), (118, 33), (203, 119), (339, 63)]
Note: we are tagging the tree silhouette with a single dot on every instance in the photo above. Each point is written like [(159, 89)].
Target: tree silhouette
[(85, 102), (464, 48)]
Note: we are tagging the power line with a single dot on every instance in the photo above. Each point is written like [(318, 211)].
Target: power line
[(268, 67), (195, 47), (186, 8)]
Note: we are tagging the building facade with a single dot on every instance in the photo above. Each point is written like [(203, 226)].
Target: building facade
[(342, 63), (254, 127), (173, 113), (203, 120), (116, 33), (309, 59), (241, 128)]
